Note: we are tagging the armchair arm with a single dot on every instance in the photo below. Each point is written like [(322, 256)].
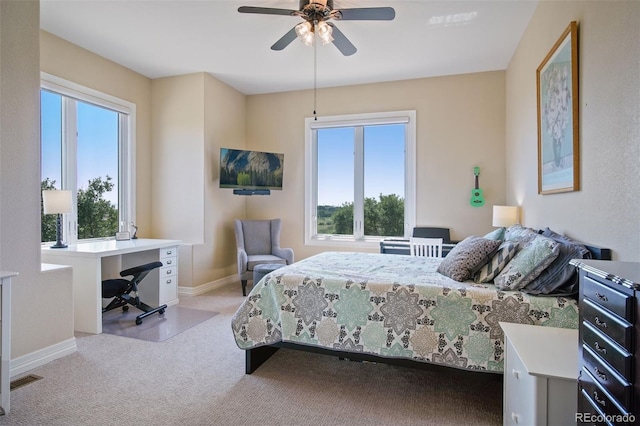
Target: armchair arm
[(242, 261), (285, 253)]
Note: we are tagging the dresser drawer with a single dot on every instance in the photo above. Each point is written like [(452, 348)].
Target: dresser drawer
[(588, 413), (618, 358), (168, 252), (615, 301), (170, 261), (597, 396), (619, 388), (168, 288), (619, 330), (167, 271), (519, 395)]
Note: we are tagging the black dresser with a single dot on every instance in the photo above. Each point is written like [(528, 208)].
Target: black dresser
[(609, 336)]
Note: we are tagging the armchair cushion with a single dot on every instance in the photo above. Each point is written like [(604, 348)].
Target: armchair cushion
[(258, 259)]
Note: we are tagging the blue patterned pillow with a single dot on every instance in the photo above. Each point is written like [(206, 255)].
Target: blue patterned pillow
[(496, 234), (530, 261), (467, 257), (519, 234), (498, 262)]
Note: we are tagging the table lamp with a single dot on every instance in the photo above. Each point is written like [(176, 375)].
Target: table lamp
[(505, 216), (57, 202)]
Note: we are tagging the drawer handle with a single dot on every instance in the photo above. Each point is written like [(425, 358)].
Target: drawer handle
[(600, 348), (168, 271), (169, 252), (169, 262), (602, 297), (598, 400), (169, 281), (600, 323), (600, 374)]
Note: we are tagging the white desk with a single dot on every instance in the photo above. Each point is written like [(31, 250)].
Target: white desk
[(93, 262), (5, 340)]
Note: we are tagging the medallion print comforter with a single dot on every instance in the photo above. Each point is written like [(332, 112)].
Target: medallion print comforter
[(390, 306)]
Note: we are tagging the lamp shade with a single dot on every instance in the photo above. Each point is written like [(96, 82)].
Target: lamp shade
[(505, 215), (57, 202)]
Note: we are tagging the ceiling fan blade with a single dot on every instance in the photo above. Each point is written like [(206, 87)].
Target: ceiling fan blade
[(267, 10), (368, 14), (285, 40), (342, 42)]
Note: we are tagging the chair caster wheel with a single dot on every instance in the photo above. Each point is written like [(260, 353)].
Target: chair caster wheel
[(138, 321), (125, 308), (161, 311)]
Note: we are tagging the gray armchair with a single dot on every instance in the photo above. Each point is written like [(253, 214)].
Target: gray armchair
[(258, 242)]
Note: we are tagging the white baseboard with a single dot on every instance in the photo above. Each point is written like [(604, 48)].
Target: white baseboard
[(204, 288), (35, 359)]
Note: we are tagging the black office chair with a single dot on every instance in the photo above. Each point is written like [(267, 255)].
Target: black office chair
[(125, 292)]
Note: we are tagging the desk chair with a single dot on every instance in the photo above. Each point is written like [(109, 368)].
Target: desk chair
[(125, 292), (426, 247)]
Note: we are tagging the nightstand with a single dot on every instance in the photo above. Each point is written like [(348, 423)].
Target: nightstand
[(540, 375)]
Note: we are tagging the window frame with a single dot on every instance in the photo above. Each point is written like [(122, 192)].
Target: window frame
[(126, 148), (312, 124)]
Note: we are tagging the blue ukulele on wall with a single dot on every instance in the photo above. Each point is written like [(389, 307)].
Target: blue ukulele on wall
[(477, 199)]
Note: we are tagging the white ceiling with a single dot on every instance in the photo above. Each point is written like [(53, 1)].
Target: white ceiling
[(160, 38)]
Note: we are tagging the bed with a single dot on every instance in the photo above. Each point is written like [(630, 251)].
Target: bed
[(389, 308)]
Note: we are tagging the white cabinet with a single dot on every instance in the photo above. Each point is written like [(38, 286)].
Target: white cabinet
[(168, 276), (5, 340), (166, 292), (540, 375)]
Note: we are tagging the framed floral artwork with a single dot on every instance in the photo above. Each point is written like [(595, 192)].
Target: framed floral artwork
[(558, 120)]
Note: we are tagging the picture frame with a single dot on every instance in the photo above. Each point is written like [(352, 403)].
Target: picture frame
[(558, 116)]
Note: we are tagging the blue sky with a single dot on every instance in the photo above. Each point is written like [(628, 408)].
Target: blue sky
[(97, 142), (384, 163)]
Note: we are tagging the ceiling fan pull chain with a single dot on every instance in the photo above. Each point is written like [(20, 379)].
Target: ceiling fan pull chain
[(315, 72)]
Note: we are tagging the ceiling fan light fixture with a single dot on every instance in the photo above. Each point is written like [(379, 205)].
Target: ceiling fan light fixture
[(324, 32), (304, 31)]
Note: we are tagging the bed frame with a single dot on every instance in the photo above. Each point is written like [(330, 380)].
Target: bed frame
[(255, 357)]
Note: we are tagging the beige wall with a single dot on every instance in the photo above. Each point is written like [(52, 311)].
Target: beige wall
[(605, 210), (460, 124), (193, 116), (68, 61), (41, 317)]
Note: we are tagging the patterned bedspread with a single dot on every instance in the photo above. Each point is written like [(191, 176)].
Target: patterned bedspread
[(391, 306)]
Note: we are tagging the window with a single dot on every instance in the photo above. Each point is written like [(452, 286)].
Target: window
[(87, 146), (360, 178)]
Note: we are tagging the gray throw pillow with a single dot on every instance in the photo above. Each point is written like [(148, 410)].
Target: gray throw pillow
[(467, 257), (559, 278)]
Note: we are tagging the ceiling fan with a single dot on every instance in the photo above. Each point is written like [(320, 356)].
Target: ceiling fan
[(316, 13)]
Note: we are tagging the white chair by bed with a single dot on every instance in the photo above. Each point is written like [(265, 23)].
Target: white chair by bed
[(426, 247)]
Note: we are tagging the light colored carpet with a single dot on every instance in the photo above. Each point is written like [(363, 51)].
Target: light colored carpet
[(156, 327), (197, 378)]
